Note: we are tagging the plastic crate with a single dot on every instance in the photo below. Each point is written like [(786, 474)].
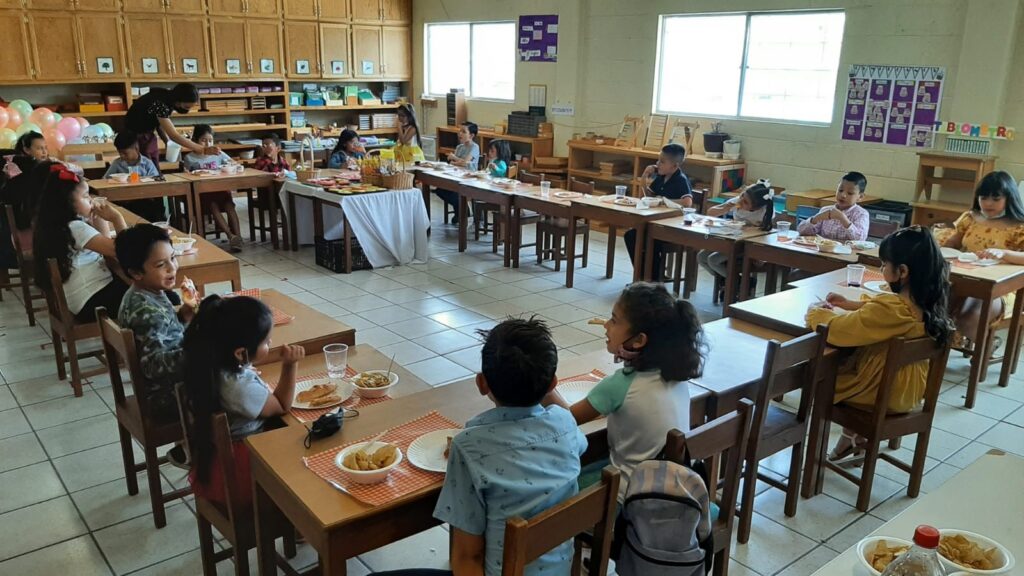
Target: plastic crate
[(330, 254), (524, 124)]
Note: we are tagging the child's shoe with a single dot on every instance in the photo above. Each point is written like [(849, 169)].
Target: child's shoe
[(236, 243)]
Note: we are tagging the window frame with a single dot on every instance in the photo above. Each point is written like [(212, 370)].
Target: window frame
[(743, 66), (469, 87)]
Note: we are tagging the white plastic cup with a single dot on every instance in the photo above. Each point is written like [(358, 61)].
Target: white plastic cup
[(336, 359), (855, 275), (545, 188), (620, 191), (689, 215), (784, 227)]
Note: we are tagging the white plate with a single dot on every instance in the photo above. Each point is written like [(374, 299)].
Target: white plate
[(573, 392), (427, 451), (880, 286), (986, 262), (967, 257), (343, 390), (950, 253), (568, 195), (863, 245)]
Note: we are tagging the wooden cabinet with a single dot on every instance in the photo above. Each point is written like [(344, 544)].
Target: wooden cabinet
[(246, 48), (12, 3), (100, 42), (187, 45), (97, 5), (302, 53), (256, 8), (332, 10), (51, 4), (301, 10), (323, 10), (230, 56), (264, 39), (396, 52), (227, 7), (185, 6), (263, 9), (145, 6), (16, 63), (366, 11), (366, 51), (54, 42), (147, 47), (334, 51), (396, 11)]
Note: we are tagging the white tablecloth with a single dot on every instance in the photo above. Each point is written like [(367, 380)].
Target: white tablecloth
[(391, 226)]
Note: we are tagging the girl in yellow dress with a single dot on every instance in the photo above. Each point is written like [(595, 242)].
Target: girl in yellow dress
[(993, 228), (918, 276)]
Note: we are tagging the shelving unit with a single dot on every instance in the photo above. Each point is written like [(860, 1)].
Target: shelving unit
[(448, 138)]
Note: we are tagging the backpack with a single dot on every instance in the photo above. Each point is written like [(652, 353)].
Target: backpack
[(664, 524)]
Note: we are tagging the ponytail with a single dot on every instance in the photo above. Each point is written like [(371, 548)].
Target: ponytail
[(916, 248)]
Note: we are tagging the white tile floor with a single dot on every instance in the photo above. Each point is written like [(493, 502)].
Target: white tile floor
[(63, 502)]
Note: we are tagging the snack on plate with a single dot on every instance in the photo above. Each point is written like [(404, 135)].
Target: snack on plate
[(314, 392), (372, 380), (362, 461), (448, 447), (325, 400), (189, 294), (881, 555), (967, 553), (827, 242)]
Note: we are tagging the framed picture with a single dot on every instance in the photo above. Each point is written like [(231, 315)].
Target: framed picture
[(302, 66), (150, 66), (190, 65), (266, 66), (233, 66), (368, 67), (105, 65), (338, 67)]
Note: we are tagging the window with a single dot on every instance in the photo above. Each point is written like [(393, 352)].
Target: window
[(479, 57), (767, 65)]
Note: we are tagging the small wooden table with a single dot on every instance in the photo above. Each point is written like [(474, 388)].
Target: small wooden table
[(309, 328), (248, 178), (785, 311), (615, 216), (788, 256), (171, 186)]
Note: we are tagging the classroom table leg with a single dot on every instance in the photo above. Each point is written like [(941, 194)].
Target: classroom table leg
[(425, 190), (570, 251), (272, 207), (1010, 349), (978, 356), (346, 232), (463, 225), (1017, 343), (609, 269), (293, 220), (690, 286), (648, 261), (638, 250), (506, 234), (745, 279), (266, 521), (730, 282), (517, 234)]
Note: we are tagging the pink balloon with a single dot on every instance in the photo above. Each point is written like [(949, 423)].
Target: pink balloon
[(3, 117), (82, 122), (13, 119), (55, 139), (70, 128), (42, 117)]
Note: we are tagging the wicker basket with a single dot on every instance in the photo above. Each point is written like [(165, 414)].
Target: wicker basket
[(399, 181), (373, 179)]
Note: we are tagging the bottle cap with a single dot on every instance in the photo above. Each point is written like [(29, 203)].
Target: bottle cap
[(926, 536)]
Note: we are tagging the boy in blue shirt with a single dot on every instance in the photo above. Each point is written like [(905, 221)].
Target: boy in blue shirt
[(129, 160)]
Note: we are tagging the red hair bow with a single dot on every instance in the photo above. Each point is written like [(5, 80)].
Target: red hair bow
[(64, 173)]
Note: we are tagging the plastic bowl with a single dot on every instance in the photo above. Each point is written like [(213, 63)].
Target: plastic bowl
[(1002, 553), (122, 178), (375, 392), (181, 244), (366, 476), (869, 543)]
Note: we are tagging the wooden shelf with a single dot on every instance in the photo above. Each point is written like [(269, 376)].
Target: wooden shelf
[(597, 175), (373, 132), (237, 112), (229, 128), (113, 114), (359, 107), (240, 95)]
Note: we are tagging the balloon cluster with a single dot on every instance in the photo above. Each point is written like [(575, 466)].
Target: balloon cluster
[(19, 117)]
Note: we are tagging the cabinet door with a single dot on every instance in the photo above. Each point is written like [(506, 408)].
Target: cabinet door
[(300, 9), (332, 10), (366, 51), (100, 43), (264, 37), (185, 6), (230, 57), (16, 63), (396, 56), (397, 11), (334, 51), (51, 4), (227, 8), (144, 6), (188, 41), (302, 56), (11, 3), (97, 5), (262, 8), (366, 10), (54, 41), (147, 47)]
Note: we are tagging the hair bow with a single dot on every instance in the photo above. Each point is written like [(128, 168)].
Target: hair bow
[(10, 168), (64, 174), (767, 184)]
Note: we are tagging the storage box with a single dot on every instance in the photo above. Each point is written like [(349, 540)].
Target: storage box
[(817, 197), (114, 103), (295, 98), (330, 254), (524, 123)]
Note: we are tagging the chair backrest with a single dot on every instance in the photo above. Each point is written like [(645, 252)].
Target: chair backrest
[(805, 212), (904, 352), (699, 197), (593, 508), (11, 223), (513, 170), (56, 301), (787, 367), (528, 178), (119, 349), (581, 186)]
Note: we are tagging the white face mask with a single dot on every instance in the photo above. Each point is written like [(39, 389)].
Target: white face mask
[(996, 217)]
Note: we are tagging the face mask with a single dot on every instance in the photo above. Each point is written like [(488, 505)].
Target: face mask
[(896, 286), (996, 217), (625, 354)]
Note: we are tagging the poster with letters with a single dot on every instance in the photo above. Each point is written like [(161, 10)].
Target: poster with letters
[(895, 105), (538, 38)]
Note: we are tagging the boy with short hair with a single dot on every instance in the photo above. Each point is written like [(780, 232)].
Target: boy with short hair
[(271, 159), (517, 459), (666, 179), (129, 160), (466, 155)]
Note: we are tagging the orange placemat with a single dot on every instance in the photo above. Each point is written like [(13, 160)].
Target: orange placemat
[(403, 480), (279, 316), (355, 401), (869, 276), (592, 376), (965, 265)]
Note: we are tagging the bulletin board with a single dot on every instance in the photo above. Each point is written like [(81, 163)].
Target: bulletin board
[(897, 105), (538, 38)]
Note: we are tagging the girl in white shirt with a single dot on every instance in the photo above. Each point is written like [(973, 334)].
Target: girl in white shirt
[(74, 229), (754, 207)]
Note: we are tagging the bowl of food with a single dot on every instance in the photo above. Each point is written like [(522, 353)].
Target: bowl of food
[(182, 244), (364, 463), (121, 178), (862, 245), (973, 553), (374, 383), (876, 552)]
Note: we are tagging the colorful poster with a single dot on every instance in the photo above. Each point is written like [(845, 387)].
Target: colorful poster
[(538, 38), (896, 105)]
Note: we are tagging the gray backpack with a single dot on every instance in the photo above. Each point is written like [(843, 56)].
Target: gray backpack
[(664, 524)]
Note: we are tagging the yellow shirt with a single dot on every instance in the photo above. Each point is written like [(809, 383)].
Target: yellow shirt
[(869, 330), (979, 234)]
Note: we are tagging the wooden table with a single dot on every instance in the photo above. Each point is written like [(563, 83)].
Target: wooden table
[(785, 311), (977, 499), (788, 256), (249, 178), (527, 197), (694, 237), (615, 216), (171, 186), (430, 179), (482, 191), (309, 328)]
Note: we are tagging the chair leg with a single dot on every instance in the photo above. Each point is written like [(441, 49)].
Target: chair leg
[(206, 547), (241, 561), (747, 500), (26, 296), (559, 249), (76, 372), (495, 233), (917, 467), (289, 543), (586, 244), (721, 563), (58, 353), (867, 476), (155, 493), (793, 482), (128, 457), (250, 207), (894, 443)]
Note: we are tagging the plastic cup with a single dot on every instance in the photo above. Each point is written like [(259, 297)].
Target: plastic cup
[(620, 191), (854, 275), (545, 188), (336, 358), (688, 215), (783, 227)]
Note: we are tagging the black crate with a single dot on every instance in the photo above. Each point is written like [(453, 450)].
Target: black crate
[(886, 217), (525, 124), (331, 255)]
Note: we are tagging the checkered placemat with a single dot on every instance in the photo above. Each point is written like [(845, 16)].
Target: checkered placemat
[(355, 401), (279, 316), (592, 376), (869, 276), (965, 265), (404, 479)]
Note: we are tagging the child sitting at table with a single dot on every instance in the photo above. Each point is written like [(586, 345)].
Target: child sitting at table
[(661, 341), (918, 276), (128, 160), (845, 220), (146, 256), (271, 159), (666, 179), (754, 207), (499, 155), (218, 204), (346, 151), (223, 341), (467, 153)]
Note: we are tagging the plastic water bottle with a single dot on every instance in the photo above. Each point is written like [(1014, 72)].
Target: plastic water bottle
[(922, 559)]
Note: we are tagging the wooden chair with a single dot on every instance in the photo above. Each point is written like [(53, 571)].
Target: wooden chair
[(725, 438), (259, 209), (136, 419), (235, 520), (675, 267), (25, 273), (878, 424), (592, 509), (64, 329), (787, 367), (551, 232), (487, 219)]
